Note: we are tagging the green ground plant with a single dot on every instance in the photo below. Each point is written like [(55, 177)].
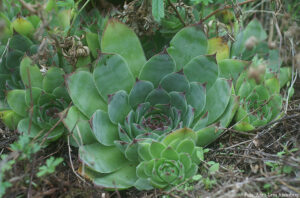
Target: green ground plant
[(128, 114), (136, 121), (166, 98)]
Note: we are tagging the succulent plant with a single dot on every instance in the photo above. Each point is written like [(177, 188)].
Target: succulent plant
[(169, 162), (5, 30), (34, 110), (259, 91), (127, 103), (260, 103), (251, 43), (257, 83), (23, 26), (10, 64)]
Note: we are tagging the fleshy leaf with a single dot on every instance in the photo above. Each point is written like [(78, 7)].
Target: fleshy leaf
[(53, 79), (35, 93), (179, 135), (202, 69), (156, 148), (156, 68), (196, 97), (112, 74), (242, 115), (140, 170), (28, 69), (158, 184), (169, 153), (61, 93), (79, 127), (207, 135), (231, 68), (186, 160), (244, 90), (118, 107), (243, 126), (186, 146), (192, 171), (104, 130), (143, 184), (187, 44), (218, 45), (120, 39), (144, 151), (178, 100), (201, 122), (175, 82), (139, 92), (16, 101), (188, 117), (103, 159), (84, 93), (230, 111), (10, 119), (148, 167), (158, 96), (254, 28), (276, 105), (158, 10), (92, 40), (285, 76), (274, 60), (217, 99), (20, 42), (123, 178), (23, 127), (13, 59), (131, 151), (273, 85)]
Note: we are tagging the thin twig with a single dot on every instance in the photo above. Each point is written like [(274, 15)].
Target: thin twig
[(31, 176), (29, 129), (31, 101), (275, 121), (76, 15), (69, 150), (177, 13), (71, 162), (5, 50), (294, 73), (28, 6), (224, 8), (241, 132), (290, 187), (235, 145)]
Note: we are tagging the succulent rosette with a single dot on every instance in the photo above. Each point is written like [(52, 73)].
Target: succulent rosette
[(10, 63), (260, 98), (169, 162), (127, 103), (258, 89), (35, 109)]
